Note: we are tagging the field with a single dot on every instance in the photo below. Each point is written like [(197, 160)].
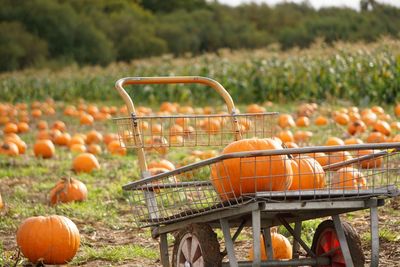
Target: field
[(359, 83)]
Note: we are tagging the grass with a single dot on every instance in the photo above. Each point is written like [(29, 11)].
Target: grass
[(114, 254)]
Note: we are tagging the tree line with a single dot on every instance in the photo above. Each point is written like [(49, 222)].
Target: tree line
[(54, 33)]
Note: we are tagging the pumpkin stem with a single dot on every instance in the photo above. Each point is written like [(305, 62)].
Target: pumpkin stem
[(274, 230)]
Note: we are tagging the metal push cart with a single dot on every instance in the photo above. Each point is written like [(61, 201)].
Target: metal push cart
[(237, 190)]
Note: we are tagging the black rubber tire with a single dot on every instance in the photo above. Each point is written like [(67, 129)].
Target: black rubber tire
[(352, 237), (208, 242)]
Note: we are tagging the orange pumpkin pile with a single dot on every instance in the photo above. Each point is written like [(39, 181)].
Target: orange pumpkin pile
[(234, 177)]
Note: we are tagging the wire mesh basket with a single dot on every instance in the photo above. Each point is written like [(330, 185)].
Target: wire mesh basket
[(193, 130), (306, 174)]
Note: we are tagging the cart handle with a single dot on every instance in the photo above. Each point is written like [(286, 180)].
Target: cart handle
[(172, 80)]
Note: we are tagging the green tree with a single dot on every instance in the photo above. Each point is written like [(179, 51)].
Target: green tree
[(19, 48)]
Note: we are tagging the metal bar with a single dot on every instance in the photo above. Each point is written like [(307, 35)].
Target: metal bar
[(296, 236), (268, 243), (338, 165), (256, 226), (322, 205), (390, 190), (320, 261), (214, 216), (228, 242), (343, 241), (258, 153), (164, 250), (198, 116), (374, 236), (296, 245), (239, 230)]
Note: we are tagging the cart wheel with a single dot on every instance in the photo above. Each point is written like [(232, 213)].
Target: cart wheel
[(196, 246), (326, 241)]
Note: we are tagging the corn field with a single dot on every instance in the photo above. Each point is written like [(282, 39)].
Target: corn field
[(360, 73)]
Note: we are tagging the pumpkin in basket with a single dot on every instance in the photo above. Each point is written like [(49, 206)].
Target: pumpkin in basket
[(307, 174), (281, 247), (234, 177), (348, 178)]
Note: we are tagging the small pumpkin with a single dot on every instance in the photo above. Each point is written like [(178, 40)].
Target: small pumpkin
[(44, 149), (348, 178), (23, 127), (10, 127), (68, 190), (286, 121), (78, 148), (321, 121), (286, 136), (237, 176), (94, 149), (302, 121), (376, 137), (62, 139), (94, 137), (86, 119), (59, 125), (116, 148), (382, 127), (9, 149), (85, 162), (307, 174), (1, 203), (334, 141), (51, 240), (166, 164), (357, 126), (341, 118), (281, 247)]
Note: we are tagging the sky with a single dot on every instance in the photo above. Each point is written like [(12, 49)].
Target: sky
[(315, 3)]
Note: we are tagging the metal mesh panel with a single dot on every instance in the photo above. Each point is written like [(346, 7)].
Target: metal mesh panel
[(157, 132), (306, 174)]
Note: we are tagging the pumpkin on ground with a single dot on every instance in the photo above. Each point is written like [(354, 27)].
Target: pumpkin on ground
[(68, 190), (9, 149), (162, 164), (307, 174), (369, 163), (1, 203), (44, 149), (50, 240), (234, 177), (281, 247), (85, 162), (348, 178)]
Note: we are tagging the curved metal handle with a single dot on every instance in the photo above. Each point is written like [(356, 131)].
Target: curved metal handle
[(172, 80)]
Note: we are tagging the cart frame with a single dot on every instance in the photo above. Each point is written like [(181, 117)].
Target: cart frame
[(261, 212)]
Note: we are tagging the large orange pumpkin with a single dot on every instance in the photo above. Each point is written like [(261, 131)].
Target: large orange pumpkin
[(50, 240), (68, 190), (307, 174), (348, 178), (281, 247), (233, 177), (85, 162)]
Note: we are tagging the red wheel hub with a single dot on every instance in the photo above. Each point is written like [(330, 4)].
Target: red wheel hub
[(328, 245)]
